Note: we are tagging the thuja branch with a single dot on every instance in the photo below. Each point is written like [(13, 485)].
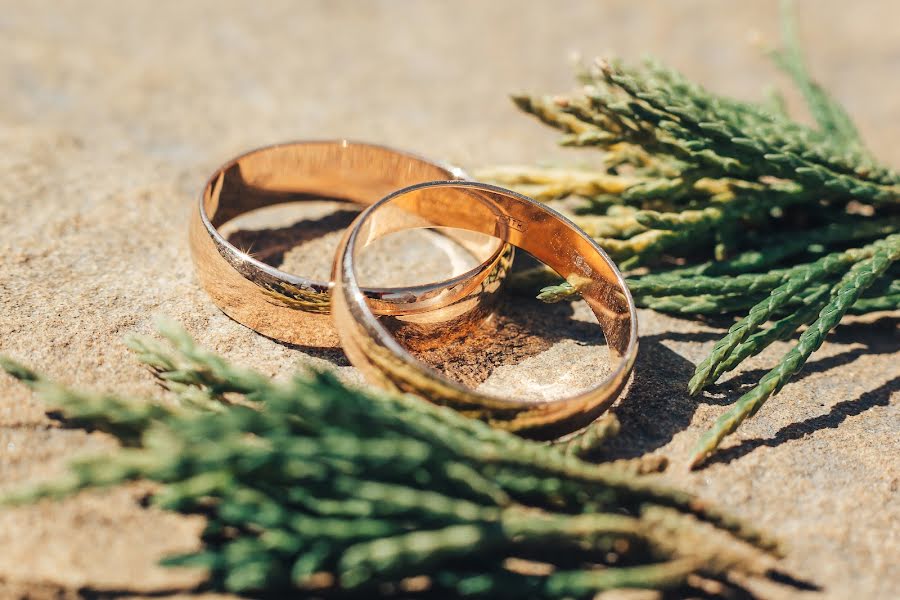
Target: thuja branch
[(726, 206), (810, 341), (310, 484)]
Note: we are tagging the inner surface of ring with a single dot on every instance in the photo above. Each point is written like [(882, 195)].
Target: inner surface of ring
[(532, 227), (360, 173), (302, 237)]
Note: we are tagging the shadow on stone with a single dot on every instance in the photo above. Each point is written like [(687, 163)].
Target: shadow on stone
[(880, 396), (870, 335), (657, 405), (270, 245), (335, 356), (745, 381)]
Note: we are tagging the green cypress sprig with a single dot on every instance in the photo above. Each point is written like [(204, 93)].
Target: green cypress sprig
[(797, 281), (696, 305), (775, 249), (732, 206), (310, 484), (809, 342), (589, 439), (778, 330), (890, 302), (832, 119)]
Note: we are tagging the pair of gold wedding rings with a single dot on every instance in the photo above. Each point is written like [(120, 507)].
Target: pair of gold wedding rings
[(377, 327)]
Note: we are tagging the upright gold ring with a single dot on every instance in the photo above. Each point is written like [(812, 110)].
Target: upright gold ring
[(293, 308), (513, 218)]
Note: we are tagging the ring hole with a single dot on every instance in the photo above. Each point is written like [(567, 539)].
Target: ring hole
[(527, 350), (301, 238)]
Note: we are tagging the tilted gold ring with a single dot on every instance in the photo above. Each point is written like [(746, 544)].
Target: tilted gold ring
[(513, 218), (295, 309)]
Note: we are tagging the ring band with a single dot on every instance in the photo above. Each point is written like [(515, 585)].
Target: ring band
[(518, 220), (295, 309)]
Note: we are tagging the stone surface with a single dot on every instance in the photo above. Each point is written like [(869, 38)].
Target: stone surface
[(113, 114)]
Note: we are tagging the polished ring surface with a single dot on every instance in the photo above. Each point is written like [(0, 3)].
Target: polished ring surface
[(293, 308), (511, 217)]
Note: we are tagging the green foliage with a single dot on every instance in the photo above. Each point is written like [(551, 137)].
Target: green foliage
[(719, 206), (310, 484)]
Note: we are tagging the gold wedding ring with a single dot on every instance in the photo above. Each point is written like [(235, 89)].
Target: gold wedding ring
[(372, 347), (295, 309)]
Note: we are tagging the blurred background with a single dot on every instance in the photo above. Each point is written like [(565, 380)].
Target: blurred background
[(195, 81)]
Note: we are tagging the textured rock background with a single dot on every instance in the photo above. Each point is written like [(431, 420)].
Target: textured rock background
[(113, 114)]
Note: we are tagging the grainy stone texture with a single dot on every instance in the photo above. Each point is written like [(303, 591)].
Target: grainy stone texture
[(112, 115)]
